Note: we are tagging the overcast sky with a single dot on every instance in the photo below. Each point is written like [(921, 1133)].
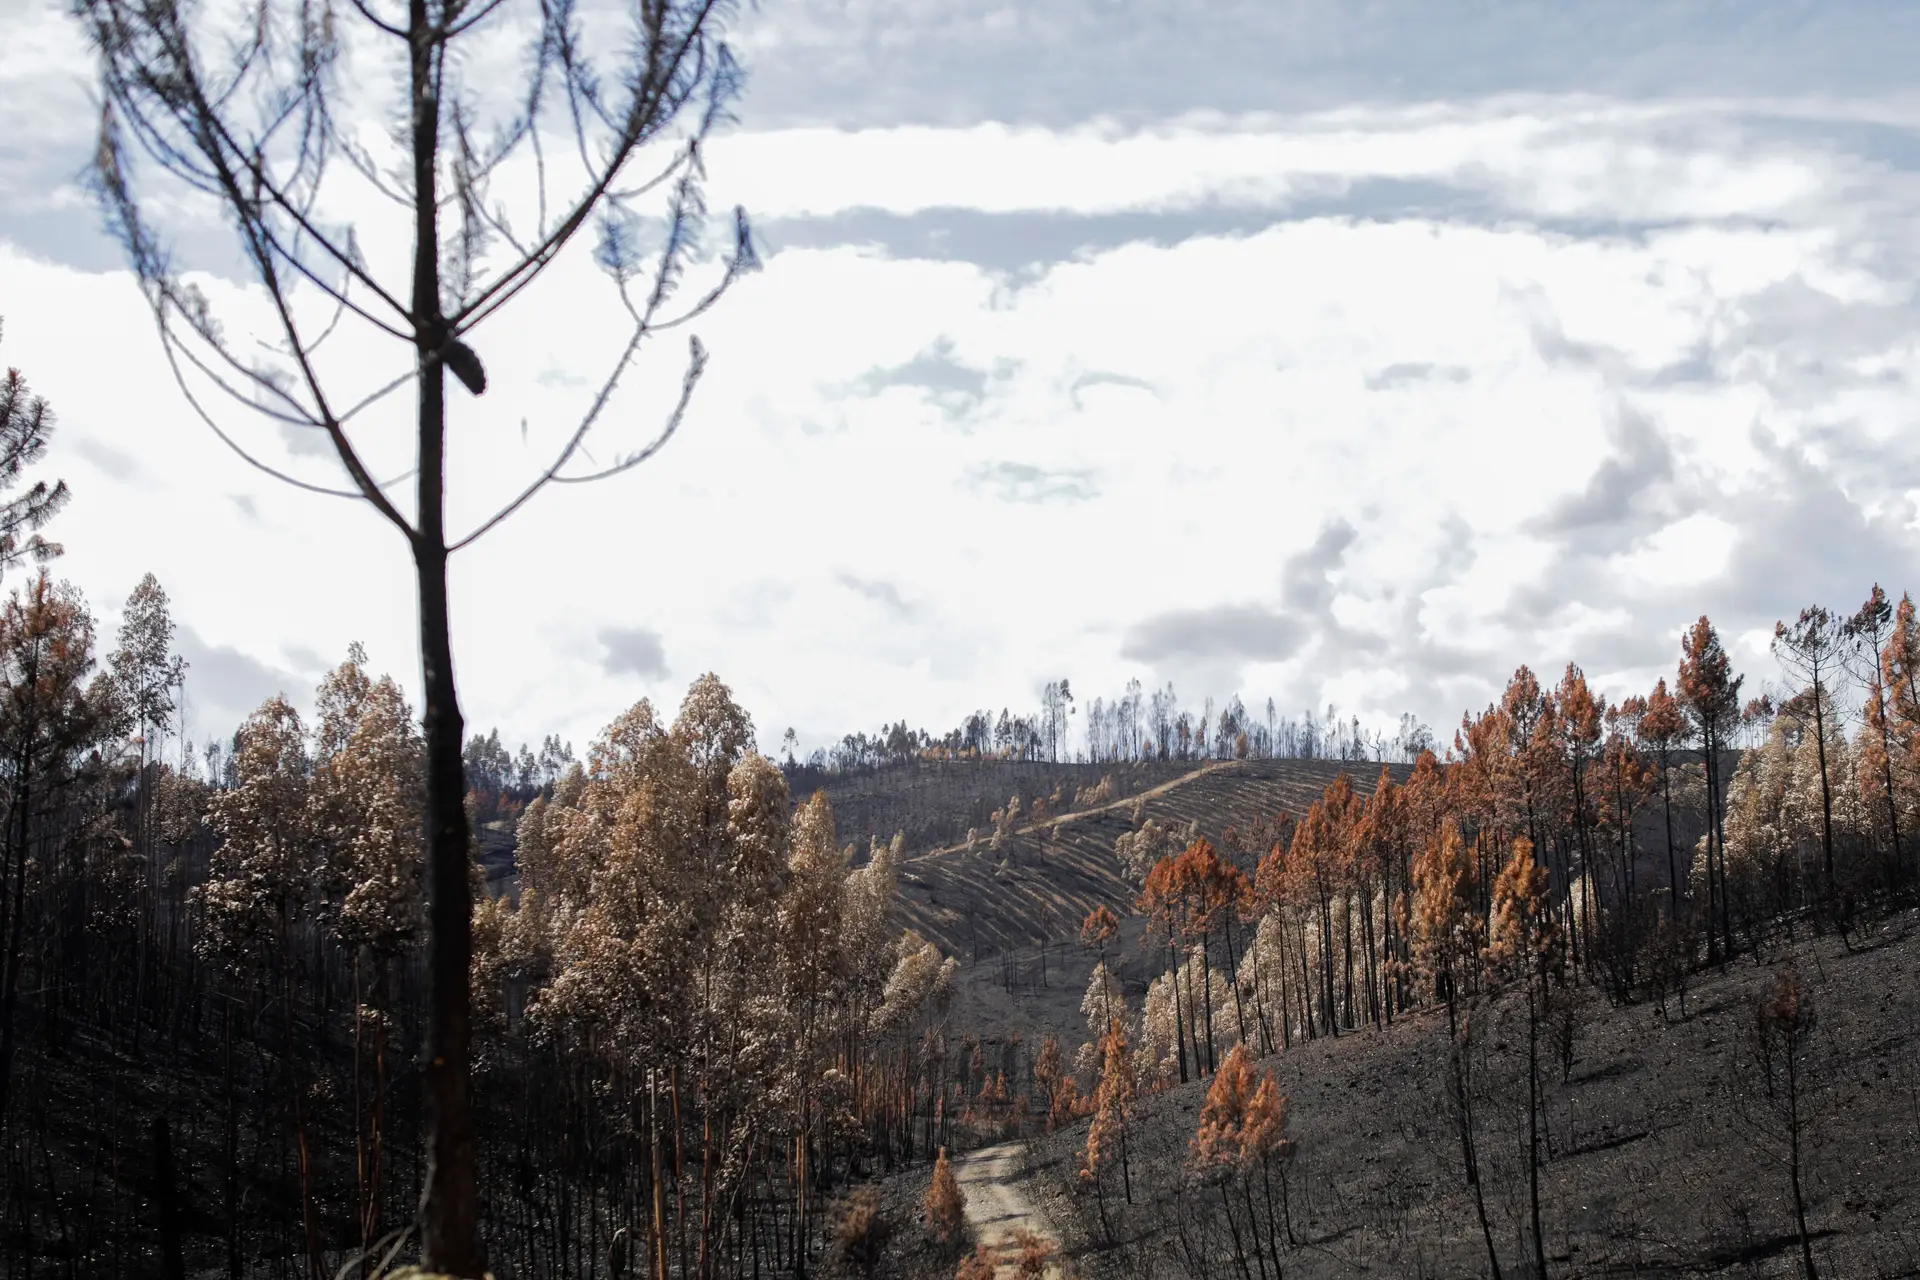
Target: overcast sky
[(1341, 352)]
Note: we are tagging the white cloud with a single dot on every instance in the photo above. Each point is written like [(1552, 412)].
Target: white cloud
[(1142, 436), (1688, 552), (1547, 157)]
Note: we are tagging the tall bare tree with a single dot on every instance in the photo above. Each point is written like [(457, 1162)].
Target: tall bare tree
[(1710, 694), (1811, 649), (1869, 630), (1662, 730), (250, 107)]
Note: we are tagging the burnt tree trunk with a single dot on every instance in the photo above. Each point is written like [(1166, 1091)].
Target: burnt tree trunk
[(449, 1200)]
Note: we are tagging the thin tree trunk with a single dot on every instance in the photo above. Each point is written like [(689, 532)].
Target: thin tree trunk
[(1715, 881), (449, 1200), (1173, 975), (1533, 1132), (1206, 995), (1239, 1250), (1463, 1102), (1720, 842), (1673, 866), (1886, 770), (1793, 1133), (167, 1200), (1826, 795), (1233, 979)]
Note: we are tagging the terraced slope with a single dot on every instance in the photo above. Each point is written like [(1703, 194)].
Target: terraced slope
[(932, 803), (1048, 876)]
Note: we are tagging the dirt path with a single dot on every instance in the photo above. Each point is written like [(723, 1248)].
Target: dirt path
[(1124, 802), (998, 1207)]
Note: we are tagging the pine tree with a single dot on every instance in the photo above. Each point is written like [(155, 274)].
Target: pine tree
[(1112, 1116), (26, 427), (1218, 1150), (945, 1204), (1445, 925), (1782, 1042), (51, 713), (1264, 1141), (1523, 946), (1710, 694)]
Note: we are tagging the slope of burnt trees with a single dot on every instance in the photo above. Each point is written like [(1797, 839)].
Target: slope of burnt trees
[(696, 1021)]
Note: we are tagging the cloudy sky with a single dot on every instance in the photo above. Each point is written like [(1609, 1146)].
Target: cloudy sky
[(1331, 350)]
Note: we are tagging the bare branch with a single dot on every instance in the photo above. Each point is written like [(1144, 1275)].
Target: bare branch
[(467, 24), (696, 365), (376, 396), (363, 165), (253, 230), (347, 261), (167, 345), (642, 120), (366, 11), (332, 324), (299, 419), (686, 212)]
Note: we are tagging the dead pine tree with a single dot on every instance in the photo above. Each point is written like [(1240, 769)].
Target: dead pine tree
[(1781, 1040), (1113, 1109), (1461, 1093), (1523, 949), (255, 113)]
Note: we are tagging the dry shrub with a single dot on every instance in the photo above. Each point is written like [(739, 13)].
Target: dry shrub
[(1067, 1104), (977, 1265), (1666, 959), (1034, 1254), (862, 1232)]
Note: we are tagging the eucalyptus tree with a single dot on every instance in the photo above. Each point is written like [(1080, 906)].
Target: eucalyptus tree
[(1869, 630), (269, 110), (1811, 648)]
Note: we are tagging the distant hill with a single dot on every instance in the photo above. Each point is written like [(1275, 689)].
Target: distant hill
[(932, 803), (1042, 885)]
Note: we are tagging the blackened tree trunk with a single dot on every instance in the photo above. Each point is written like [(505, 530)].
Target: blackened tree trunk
[(15, 870), (167, 1199), (1173, 975), (450, 1226), (1460, 1082), (1826, 791), (1533, 1128), (1715, 883), (1720, 845), (1673, 866)]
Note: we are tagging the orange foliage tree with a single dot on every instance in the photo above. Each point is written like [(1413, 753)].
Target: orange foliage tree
[(1112, 1115), (945, 1204)]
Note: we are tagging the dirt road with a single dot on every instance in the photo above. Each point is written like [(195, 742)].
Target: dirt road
[(997, 1207)]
